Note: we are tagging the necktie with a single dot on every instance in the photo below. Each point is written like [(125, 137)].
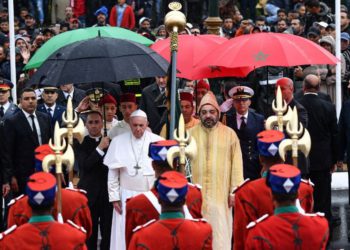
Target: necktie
[(1, 111), (243, 123), (35, 132), (68, 97), (49, 112)]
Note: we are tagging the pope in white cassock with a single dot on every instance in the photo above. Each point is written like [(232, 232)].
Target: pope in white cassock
[(130, 171)]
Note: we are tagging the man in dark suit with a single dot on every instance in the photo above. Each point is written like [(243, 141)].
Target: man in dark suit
[(323, 130), (68, 90), (93, 179), (7, 109), (299, 94), (247, 124), (150, 104), (24, 131), (50, 106)]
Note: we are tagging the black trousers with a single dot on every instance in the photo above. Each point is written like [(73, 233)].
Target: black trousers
[(322, 192), (101, 215)]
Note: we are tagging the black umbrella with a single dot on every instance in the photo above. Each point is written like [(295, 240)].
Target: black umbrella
[(100, 59)]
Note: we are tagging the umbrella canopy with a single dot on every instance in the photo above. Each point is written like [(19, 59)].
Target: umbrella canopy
[(191, 51), (267, 49), (70, 37), (99, 59)]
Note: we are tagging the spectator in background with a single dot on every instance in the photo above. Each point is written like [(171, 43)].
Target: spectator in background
[(122, 15), (272, 7), (4, 26), (227, 30), (237, 18), (23, 12), (345, 38), (314, 34), (297, 27), (281, 26), (316, 12), (161, 32), (344, 22), (38, 7), (30, 25), (58, 10), (79, 10), (74, 24), (101, 16)]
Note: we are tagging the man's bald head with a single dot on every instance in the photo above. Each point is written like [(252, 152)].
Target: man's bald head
[(311, 83)]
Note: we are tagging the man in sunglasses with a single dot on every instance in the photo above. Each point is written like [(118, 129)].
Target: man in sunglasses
[(49, 105)]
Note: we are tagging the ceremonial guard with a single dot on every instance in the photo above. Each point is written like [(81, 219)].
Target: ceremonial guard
[(74, 203), (253, 199), (145, 207), (172, 230), (42, 232), (287, 228)]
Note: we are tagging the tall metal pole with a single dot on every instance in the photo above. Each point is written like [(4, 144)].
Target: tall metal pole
[(338, 87), (12, 50), (175, 22), (213, 22)]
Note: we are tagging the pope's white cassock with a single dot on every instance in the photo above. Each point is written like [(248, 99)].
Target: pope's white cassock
[(125, 153)]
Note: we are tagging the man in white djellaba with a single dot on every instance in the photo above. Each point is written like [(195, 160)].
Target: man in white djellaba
[(130, 171)]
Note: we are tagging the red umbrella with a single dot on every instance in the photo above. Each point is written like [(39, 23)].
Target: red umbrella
[(267, 49), (191, 51)]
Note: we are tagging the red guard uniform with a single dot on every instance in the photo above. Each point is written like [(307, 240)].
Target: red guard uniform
[(42, 232), (288, 229), (172, 231), (74, 208), (253, 199), (140, 210)]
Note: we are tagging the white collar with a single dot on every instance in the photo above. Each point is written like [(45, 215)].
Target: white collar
[(239, 116), (27, 114), (6, 105), (97, 138), (70, 94), (310, 93), (52, 108)]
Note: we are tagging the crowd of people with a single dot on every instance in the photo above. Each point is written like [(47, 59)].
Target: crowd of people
[(125, 180)]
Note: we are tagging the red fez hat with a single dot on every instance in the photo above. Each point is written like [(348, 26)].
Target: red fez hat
[(128, 97), (203, 85), (107, 99), (42, 151), (186, 96)]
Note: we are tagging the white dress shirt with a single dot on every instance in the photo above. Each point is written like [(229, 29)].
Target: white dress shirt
[(29, 119), (239, 120)]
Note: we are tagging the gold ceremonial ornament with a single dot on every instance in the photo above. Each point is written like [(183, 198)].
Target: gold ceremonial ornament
[(294, 144), (75, 126), (175, 20), (187, 148), (57, 159), (279, 106)]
